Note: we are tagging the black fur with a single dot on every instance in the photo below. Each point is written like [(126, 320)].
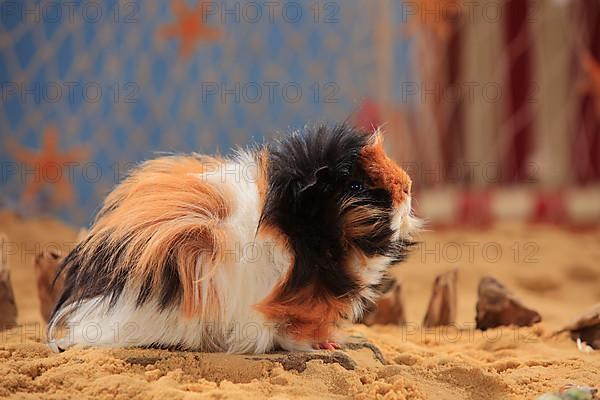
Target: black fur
[(310, 175), (79, 274), (172, 291)]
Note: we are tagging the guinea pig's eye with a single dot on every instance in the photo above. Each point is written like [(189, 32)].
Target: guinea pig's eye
[(355, 186)]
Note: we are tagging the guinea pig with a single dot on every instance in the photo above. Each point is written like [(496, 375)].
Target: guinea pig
[(271, 248)]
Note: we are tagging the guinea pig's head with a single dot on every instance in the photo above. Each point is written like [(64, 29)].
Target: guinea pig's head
[(343, 210)]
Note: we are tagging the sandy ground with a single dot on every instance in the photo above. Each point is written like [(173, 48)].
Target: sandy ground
[(553, 271)]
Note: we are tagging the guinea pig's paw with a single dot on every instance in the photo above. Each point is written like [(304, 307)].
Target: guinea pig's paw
[(327, 346)]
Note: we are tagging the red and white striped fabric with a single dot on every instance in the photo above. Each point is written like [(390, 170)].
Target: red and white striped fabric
[(541, 131)]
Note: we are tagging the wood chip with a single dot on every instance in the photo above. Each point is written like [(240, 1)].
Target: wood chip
[(586, 327), (349, 357), (497, 306), (443, 302), (8, 307), (389, 309), (46, 267)]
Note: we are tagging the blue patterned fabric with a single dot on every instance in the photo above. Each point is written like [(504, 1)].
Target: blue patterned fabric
[(112, 81)]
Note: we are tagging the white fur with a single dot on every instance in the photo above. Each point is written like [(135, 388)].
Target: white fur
[(404, 222), (371, 270)]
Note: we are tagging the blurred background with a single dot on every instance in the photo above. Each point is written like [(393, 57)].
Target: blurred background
[(493, 106)]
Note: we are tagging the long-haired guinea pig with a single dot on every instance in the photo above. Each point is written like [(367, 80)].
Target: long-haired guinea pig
[(272, 248)]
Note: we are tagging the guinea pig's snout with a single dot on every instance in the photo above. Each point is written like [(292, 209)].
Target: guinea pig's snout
[(404, 222), (405, 206)]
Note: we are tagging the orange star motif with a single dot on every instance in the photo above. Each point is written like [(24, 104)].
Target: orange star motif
[(591, 83), (190, 27), (48, 166)]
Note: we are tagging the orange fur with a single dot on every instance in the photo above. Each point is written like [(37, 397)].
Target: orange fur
[(309, 314), (384, 172), (263, 168), (165, 210)]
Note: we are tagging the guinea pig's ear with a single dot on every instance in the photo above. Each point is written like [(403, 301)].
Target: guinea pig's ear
[(320, 175)]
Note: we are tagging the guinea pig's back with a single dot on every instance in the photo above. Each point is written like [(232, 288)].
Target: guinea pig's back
[(163, 263)]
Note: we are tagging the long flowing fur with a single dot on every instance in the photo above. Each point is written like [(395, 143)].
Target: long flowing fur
[(271, 247)]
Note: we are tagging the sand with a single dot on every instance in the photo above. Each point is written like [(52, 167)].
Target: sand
[(553, 271)]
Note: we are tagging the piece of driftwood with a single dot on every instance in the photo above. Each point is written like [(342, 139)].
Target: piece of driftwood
[(8, 307), (443, 302), (345, 356), (497, 306), (46, 267), (389, 309), (586, 327)]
